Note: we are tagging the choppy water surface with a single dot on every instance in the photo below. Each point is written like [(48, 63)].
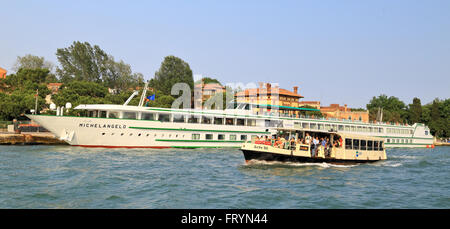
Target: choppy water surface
[(75, 177)]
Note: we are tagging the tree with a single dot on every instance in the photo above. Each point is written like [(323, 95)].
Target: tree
[(207, 80), (415, 111), (81, 61), (394, 110), (32, 62), (173, 70), (121, 77)]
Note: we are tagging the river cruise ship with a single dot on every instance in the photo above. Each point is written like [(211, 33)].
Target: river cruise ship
[(104, 125), (300, 146)]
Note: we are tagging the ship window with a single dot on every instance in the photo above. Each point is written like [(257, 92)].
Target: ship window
[(218, 121), (341, 127), (381, 146), (251, 122), (240, 121), (209, 137), (195, 136), (92, 114), (206, 120), (426, 132), (359, 128), (356, 144), (243, 137), (348, 143), (229, 121), (320, 126), (164, 117), (221, 137), (375, 145), (113, 114), (363, 145), (233, 137), (148, 116), (129, 115), (193, 119), (347, 128), (388, 140), (102, 114), (380, 130), (305, 125), (327, 127), (178, 118), (369, 145)]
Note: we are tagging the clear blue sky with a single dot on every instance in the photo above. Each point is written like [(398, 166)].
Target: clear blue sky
[(335, 51)]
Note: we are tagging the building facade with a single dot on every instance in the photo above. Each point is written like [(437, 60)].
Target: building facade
[(343, 112), (203, 92), (3, 73), (271, 99)]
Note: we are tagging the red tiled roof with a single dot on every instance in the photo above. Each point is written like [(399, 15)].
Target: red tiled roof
[(210, 86), (258, 91)]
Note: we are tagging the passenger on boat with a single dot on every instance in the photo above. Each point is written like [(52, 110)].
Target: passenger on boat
[(308, 139), (315, 144)]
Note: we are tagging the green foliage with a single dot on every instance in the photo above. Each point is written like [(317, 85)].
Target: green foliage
[(415, 111), (394, 110), (316, 114), (82, 62), (17, 103), (32, 62), (80, 92), (161, 100), (437, 117), (207, 80), (173, 70)]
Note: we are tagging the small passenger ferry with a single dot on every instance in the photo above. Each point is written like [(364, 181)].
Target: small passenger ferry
[(295, 145)]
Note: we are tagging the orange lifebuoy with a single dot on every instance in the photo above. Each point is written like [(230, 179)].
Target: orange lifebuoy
[(428, 146), (432, 146)]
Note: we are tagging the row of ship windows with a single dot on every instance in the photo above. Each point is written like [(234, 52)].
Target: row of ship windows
[(398, 140), (177, 118), (357, 144), (231, 137), (349, 128)]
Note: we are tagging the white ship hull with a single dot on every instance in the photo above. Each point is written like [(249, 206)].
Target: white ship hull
[(108, 132), (122, 133)]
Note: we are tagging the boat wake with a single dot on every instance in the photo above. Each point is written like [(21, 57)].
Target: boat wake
[(294, 164)]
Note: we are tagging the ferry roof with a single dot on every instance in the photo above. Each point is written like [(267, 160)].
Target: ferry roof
[(344, 135)]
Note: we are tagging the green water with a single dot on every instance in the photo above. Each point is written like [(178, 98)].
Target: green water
[(75, 177)]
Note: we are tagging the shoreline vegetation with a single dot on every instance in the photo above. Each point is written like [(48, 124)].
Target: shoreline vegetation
[(88, 75)]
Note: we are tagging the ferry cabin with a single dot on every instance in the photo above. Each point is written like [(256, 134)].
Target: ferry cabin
[(353, 149)]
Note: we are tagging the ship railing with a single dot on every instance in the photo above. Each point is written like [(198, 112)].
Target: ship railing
[(329, 119)]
